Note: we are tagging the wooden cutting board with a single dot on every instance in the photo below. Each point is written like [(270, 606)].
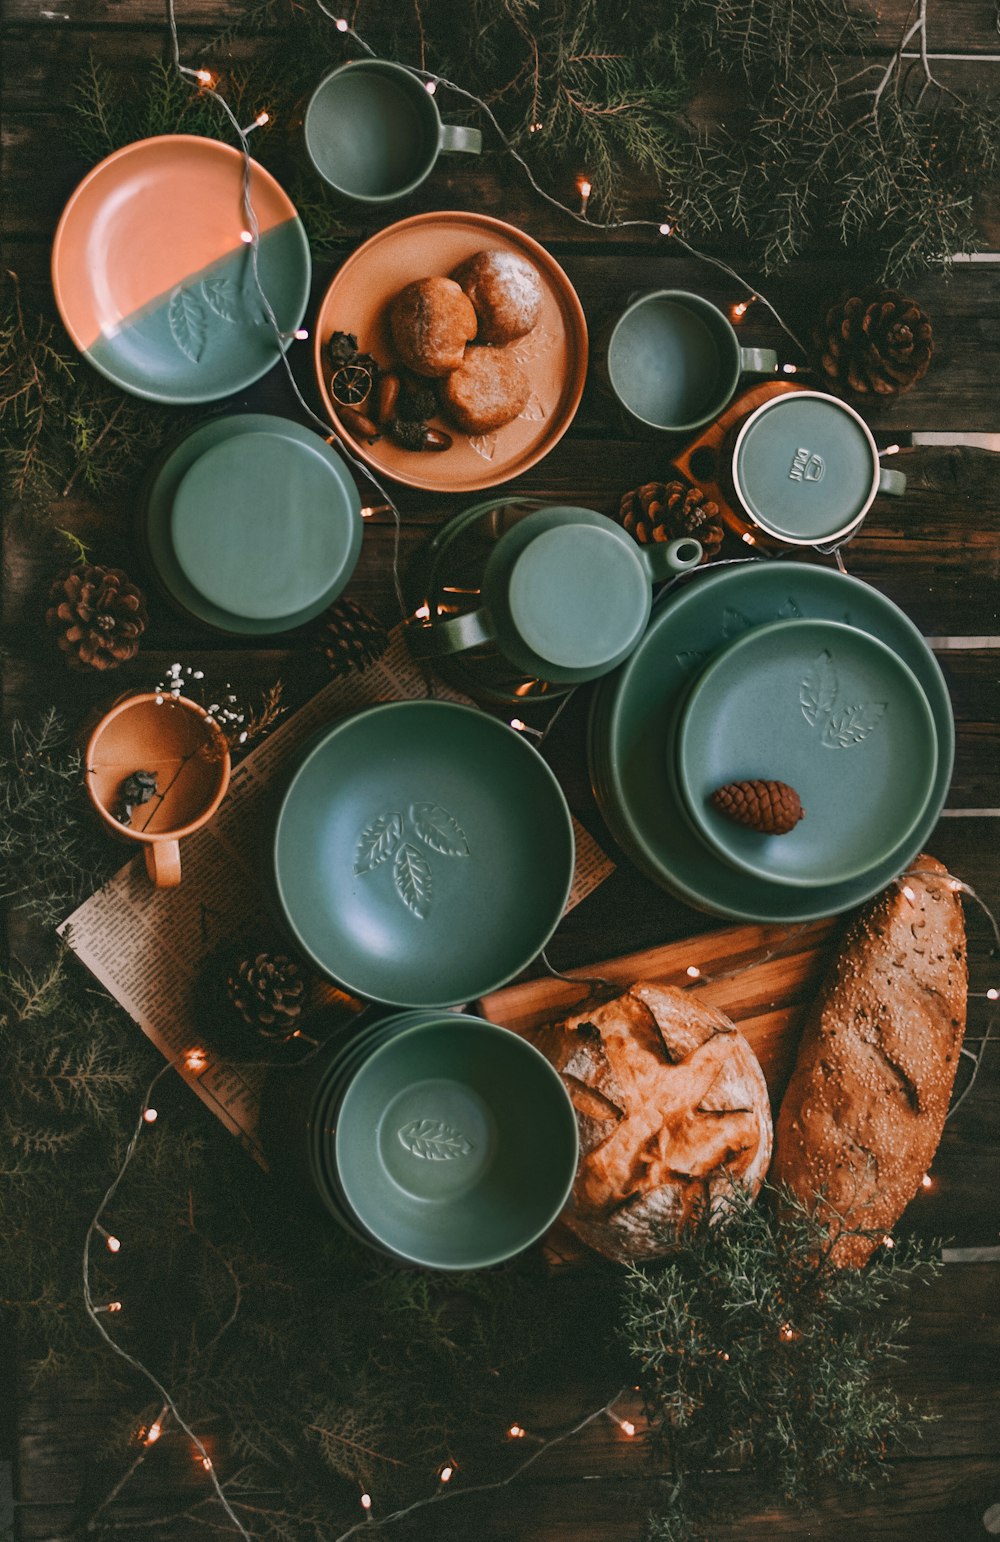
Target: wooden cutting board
[(763, 977)]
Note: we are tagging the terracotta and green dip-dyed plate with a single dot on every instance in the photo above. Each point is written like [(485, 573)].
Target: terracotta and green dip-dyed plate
[(153, 275)]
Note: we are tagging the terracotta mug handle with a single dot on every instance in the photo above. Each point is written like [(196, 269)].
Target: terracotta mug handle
[(163, 863)]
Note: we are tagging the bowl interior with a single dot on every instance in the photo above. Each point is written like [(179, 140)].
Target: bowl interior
[(456, 1144), (423, 853)]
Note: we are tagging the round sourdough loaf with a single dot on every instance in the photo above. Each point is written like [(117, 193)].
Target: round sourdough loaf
[(864, 1110), (673, 1111)]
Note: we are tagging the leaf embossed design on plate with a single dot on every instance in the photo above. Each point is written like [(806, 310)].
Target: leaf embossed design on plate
[(852, 725), (439, 830), (434, 1141), (411, 873), (378, 841), (818, 691), (188, 323)]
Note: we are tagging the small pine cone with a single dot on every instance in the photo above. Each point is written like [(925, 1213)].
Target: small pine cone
[(877, 343), (773, 808), (97, 615), (350, 637), (665, 511), (268, 992)]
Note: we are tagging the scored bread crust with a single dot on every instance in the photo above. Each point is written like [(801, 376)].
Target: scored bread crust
[(863, 1113), (673, 1111)]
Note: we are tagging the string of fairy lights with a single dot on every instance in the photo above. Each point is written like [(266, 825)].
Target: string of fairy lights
[(194, 1059)]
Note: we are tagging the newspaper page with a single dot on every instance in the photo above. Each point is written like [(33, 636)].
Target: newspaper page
[(148, 946)]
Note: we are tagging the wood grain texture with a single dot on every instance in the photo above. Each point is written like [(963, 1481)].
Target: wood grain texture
[(936, 553)]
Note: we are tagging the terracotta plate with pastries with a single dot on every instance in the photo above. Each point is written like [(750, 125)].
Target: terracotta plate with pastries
[(483, 331)]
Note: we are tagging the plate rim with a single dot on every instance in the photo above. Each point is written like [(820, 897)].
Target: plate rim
[(718, 662), (426, 483), (173, 399), (346, 724)]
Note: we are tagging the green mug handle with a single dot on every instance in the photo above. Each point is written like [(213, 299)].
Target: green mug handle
[(456, 137), (890, 481), (455, 634), (665, 560), (758, 361)]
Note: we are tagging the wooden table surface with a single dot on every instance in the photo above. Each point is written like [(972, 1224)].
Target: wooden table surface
[(936, 553)]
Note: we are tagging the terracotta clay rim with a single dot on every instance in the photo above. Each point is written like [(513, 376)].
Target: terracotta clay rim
[(125, 705), (577, 342)]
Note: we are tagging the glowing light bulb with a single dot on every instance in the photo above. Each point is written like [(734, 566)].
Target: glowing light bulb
[(301, 334), (992, 994), (246, 237), (206, 1462), (261, 119), (584, 186), (627, 1427), (693, 972), (447, 1473), (154, 1432), (789, 369), (205, 77), (113, 1245), (366, 1501), (787, 1331), (888, 1242), (343, 26), (516, 722), (741, 309), (367, 511), (534, 128), (150, 1115), (892, 449), (926, 1181), (196, 1060), (666, 230), (516, 1432), (910, 895), (750, 540), (430, 86)]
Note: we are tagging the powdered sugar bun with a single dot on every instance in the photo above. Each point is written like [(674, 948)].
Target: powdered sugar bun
[(506, 292), (432, 320)]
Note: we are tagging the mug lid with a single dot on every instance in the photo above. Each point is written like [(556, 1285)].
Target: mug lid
[(805, 467), (578, 596), (261, 526)]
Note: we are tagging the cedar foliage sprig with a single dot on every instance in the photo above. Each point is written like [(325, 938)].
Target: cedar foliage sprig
[(53, 853), (64, 428), (756, 1354)]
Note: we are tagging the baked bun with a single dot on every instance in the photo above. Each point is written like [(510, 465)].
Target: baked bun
[(866, 1105), (505, 291), (432, 320), (673, 1111), (488, 390)]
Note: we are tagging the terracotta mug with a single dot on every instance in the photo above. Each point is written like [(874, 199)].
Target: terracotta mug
[(175, 741)]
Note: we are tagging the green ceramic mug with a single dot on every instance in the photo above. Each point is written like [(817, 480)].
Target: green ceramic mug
[(805, 469), (567, 594), (374, 133), (673, 360)]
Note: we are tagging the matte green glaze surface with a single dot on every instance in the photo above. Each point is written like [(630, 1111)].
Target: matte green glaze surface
[(209, 531), (631, 717), (210, 336), (673, 360), (834, 713), (263, 526), (423, 853), (577, 597), (805, 467), (456, 1144)]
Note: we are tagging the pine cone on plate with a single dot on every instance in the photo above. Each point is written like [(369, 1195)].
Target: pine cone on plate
[(268, 992), (665, 511), (773, 808), (877, 343), (350, 637), (97, 615)]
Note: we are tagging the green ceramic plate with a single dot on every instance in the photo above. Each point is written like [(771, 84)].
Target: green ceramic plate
[(423, 853), (834, 713), (631, 712), (254, 512), (456, 1144)]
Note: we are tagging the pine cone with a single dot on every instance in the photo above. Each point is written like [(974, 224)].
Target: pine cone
[(664, 511), (350, 637), (268, 991), (98, 616), (878, 343), (773, 808)]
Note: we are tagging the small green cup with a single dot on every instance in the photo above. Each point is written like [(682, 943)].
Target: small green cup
[(456, 1144), (806, 469), (673, 360), (373, 131), (567, 594)]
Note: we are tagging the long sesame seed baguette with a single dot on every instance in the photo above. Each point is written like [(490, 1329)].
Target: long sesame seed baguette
[(864, 1110)]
